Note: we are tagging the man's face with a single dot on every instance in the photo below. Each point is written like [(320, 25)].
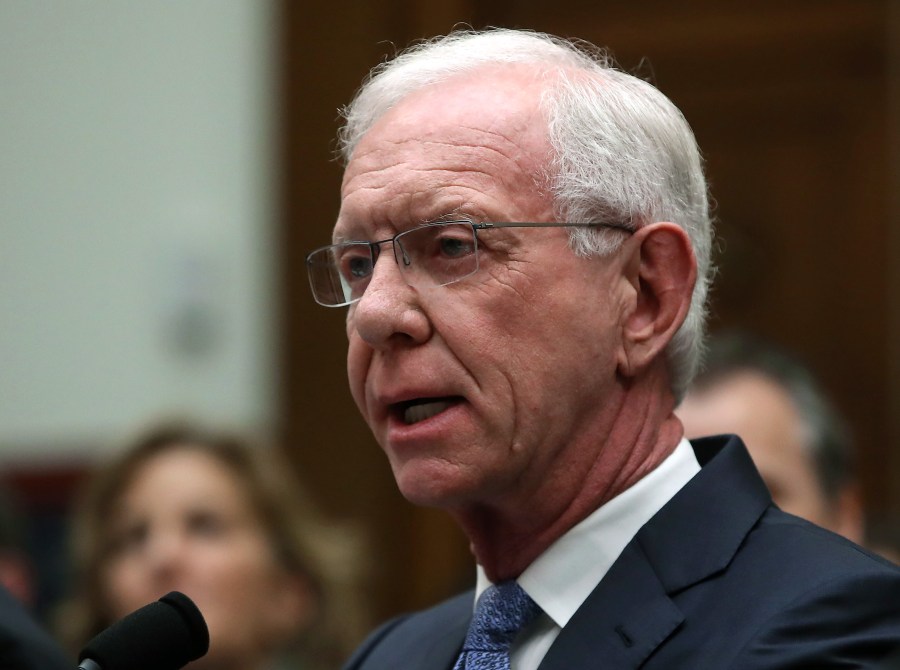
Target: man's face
[(484, 390), (763, 414)]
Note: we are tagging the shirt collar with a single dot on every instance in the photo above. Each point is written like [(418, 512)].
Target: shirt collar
[(562, 578)]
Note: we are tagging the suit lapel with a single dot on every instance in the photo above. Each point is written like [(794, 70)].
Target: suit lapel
[(444, 649), (444, 652), (430, 640), (621, 623), (695, 535)]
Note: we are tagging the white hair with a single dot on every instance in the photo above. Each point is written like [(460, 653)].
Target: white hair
[(623, 151)]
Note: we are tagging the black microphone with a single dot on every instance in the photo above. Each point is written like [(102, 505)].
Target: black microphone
[(164, 635)]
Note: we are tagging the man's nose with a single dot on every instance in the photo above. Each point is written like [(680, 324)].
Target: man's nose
[(388, 309)]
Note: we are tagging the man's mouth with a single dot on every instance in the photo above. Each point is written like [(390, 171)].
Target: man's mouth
[(414, 411)]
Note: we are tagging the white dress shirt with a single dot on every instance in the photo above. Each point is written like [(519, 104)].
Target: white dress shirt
[(562, 578)]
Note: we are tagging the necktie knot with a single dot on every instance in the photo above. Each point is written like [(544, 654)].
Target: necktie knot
[(502, 611)]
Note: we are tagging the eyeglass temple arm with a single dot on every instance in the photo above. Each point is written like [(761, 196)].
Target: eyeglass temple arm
[(618, 226)]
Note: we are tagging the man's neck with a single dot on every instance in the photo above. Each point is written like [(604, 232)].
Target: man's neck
[(507, 536)]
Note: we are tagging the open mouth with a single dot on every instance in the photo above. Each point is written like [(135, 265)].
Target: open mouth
[(414, 411)]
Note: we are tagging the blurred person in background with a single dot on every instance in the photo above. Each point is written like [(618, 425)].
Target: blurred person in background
[(883, 536), (211, 516), (16, 573), (800, 444), (23, 644)]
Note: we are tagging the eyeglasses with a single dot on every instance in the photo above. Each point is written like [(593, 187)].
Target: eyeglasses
[(430, 255)]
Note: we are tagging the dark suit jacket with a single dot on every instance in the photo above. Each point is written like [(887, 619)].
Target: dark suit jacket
[(718, 578), (23, 645)]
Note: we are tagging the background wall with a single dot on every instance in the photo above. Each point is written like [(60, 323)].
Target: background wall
[(136, 228), (136, 218)]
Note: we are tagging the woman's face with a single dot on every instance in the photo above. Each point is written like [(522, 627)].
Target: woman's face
[(185, 523)]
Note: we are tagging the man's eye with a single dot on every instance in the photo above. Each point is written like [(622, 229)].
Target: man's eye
[(356, 266), (454, 247), (360, 267)]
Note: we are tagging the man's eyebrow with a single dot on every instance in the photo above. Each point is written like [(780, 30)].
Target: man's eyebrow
[(339, 237), (455, 215), (354, 234)]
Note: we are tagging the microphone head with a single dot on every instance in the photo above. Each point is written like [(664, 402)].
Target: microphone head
[(164, 635)]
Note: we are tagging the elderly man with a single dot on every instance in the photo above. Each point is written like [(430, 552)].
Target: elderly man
[(523, 244)]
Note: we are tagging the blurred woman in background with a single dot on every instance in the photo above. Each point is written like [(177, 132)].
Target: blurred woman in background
[(223, 522)]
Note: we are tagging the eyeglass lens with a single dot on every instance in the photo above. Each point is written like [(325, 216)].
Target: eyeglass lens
[(434, 254)]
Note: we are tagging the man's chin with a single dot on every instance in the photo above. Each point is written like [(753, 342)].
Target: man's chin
[(428, 485)]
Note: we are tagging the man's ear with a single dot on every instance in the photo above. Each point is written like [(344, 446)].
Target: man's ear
[(662, 270)]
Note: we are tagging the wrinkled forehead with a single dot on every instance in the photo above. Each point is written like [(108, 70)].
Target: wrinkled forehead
[(474, 133), (490, 91)]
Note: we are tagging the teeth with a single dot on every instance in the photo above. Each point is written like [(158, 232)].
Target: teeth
[(425, 410)]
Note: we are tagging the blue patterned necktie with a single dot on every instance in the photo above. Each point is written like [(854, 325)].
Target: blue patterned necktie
[(502, 611)]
